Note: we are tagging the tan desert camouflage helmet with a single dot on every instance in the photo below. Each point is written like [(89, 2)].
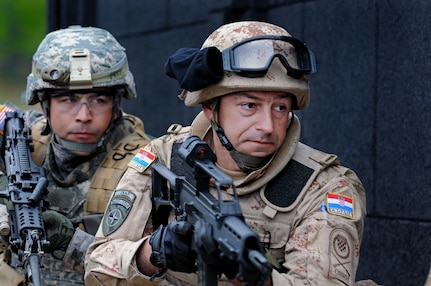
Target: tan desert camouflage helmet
[(276, 79)]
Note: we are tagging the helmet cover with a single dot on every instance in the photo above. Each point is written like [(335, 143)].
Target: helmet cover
[(79, 58), (276, 79)]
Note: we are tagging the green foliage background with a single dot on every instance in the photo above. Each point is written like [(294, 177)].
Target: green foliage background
[(23, 25)]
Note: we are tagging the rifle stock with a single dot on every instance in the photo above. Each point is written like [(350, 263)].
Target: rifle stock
[(214, 219), (26, 189)]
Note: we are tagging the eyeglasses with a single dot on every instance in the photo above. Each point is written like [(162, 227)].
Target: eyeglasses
[(71, 102), (253, 57)]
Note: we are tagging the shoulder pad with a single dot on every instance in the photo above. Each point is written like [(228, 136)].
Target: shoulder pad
[(40, 142), (176, 129), (298, 175)]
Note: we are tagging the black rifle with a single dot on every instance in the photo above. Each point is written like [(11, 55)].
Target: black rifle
[(26, 190), (214, 219)]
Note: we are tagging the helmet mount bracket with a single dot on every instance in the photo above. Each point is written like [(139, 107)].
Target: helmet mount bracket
[(80, 69)]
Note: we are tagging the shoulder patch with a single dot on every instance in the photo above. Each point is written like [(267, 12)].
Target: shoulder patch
[(117, 211), (340, 205), (341, 259), (142, 160)]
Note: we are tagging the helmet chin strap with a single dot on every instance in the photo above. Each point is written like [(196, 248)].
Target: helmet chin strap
[(246, 163)]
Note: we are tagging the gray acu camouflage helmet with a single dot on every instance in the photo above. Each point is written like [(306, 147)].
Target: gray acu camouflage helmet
[(275, 79), (79, 58)]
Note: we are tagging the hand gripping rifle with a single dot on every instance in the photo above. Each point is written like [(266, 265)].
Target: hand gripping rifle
[(214, 219), (25, 190)]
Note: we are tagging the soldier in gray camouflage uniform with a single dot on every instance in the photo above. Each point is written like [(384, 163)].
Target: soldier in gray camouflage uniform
[(83, 140)]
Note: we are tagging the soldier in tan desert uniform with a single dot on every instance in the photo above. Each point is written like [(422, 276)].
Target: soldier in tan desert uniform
[(83, 140), (307, 209)]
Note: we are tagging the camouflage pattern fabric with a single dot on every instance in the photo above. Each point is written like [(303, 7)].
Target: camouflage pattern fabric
[(67, 195), (108, 61), (275, 79), (312, 245)]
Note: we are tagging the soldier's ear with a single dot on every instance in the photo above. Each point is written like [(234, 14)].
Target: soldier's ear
[(207, 110)]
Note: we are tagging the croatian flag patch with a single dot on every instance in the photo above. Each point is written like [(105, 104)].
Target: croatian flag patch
[(340, 205), (142, 160), (3, 110)]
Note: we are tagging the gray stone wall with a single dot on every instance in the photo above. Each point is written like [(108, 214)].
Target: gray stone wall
[(370, 101)]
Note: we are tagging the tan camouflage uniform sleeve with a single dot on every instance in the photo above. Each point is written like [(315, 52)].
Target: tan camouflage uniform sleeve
[(323, 247), (111, 257)]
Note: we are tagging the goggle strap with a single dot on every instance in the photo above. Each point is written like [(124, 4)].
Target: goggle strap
[(313, 68)]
